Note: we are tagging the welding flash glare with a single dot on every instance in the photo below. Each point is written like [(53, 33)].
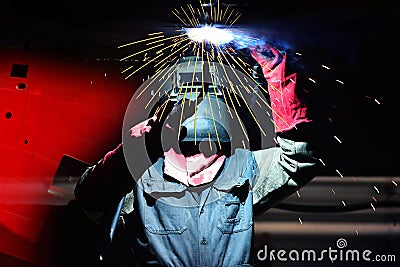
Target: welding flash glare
[(209, 34)]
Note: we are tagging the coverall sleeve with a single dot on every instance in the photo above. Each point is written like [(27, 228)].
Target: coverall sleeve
[(103, 185), (282, 170)]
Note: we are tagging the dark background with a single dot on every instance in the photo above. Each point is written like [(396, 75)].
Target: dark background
[(356, 39)]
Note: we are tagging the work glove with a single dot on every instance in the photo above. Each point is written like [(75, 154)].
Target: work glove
[(287, 108)]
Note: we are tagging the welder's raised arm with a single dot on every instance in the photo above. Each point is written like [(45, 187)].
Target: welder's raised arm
[(287, 108), (102, 185), (283, 169)]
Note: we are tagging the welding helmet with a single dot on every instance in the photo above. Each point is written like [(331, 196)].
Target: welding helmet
[(209, 122), (207, 130)]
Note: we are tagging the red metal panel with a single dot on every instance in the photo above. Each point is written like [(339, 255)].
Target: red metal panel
[(68, 107)]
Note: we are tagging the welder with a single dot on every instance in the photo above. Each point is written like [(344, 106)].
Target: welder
[(196, 204)]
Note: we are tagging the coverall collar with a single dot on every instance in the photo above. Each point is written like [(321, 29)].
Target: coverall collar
[(153, 179)]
